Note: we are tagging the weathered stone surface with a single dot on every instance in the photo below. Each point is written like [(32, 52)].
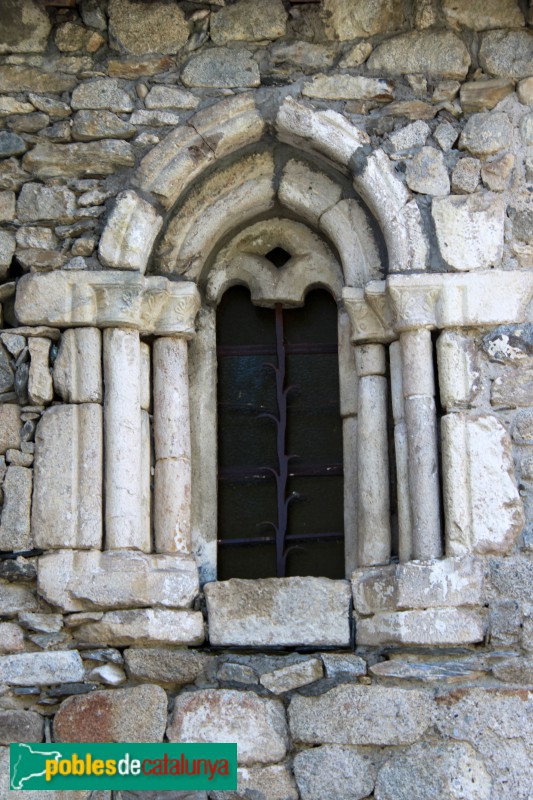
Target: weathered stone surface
[(249, 21), (44, 623), (103, 93), (40, 389), (11, 641), (76, 160), (132, 68), (39, 260), (170, 97), (342, 87), (154, 626), (30, 79), (286, 56), (287, 611), (482, 95), (356, 55), (377, 715), (15, 524), (155, 119), (446, 136), (273, 782), (418, 584), (458, 370), (67, 499), (432, 626), (70, 38), (426, 172), (6, 371), (133, 715), (15, 598), (497, 723), (11, 144), (25, 27), (524, 91), (509, 343), (9, 105), (465, 175), (507, 54), (523, 427), (10, 427), (89, 125), (485, 134), (77, 581), (515, 670), (442, 672), (426, 771), (470, 230), (130, 232), (512, 578), (343, 664), (413, 135), (237, 673), (293, 676), (77, 373), (439, 54), (27, 669), (165, 665), (12, 176), (335, 772), (350, 20), (7, 206), (158, 28), (513, 390), (111, 674), (38, 202), (482, 507), (21, 726), (223, 68), (480, 15), (257, 724)]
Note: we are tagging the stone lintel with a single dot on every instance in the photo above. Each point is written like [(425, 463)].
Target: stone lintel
[(108, 299)]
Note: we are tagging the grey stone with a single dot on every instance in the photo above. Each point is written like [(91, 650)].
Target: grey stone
[(273, 782), (25, 27), (76, 160), (286, 611), (28, 669), (507, 54), (522, 430), (439, 54), (15, 598), (438, 626), (6, 371), (18, 458), (377, 715), (133, 715), (44, 623), (12, 176), (15, 523), (89, 125), (37, 202), (348, 87), (496, 174), (512, 577), (10, 427), (480, 15), (351, 19), (426, 172), (356, 55), (509, 343), (465, 175), (441, 672), (11, 640), (223, 68), (293, 676), (152, 626), (526, 129), (249, 21), (103, 93), (93, 15), (11, 144), (515, 670), (524, 91), (446, 136), (31, 79), (345, 665), (513, 389), (155, 119), (165, 666), (157, 28), (426, 771), (485, 134), (256, 723), (60, 133), (335, 772), (133, 68), (470, 230), (38, 260), (170, 97), (13, 342), (71, 38), (285, 57), (21, 726), (50, 105), (236, 673), (85, 580), (413, 135), (7, 206), (28, 123), (40, 390)]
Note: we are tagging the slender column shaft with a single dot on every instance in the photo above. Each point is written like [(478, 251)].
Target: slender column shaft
[(123, 441), (374, 535), (402, 455), (172, 438), (421, 424)]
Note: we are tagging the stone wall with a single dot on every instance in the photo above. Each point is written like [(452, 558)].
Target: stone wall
[(151, 153)]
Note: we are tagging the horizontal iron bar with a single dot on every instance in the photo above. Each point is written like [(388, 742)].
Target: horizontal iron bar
[(295, 471), (294, 537), (301, 348)]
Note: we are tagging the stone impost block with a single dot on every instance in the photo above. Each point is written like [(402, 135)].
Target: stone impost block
[(107, 299), (67, 492), (257, 724), (418, 584), (482, 507), (130, 233), (15, 522), (470, 230), (432, 627), (134, 715), (27, 669), (279, 611), (151, 626), (209, 135), (79, 581), (366, 715), (77, 373)]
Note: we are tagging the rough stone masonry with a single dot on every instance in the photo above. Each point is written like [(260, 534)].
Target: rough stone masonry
[(153, 154)]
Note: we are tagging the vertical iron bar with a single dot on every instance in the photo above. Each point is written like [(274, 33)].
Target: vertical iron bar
[(283, 459)]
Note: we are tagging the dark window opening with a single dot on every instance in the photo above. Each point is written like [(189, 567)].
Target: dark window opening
[(279, 257), (280, 483)]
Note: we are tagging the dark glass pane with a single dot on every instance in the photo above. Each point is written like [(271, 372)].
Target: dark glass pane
[(246, 561), (321, 559), (244, 506), (239, 322), (315, 322), (318, 507)]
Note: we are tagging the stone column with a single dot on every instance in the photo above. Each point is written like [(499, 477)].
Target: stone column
[(421, 423), (374, 535), (125, 525), (402, 456), (172, 436)]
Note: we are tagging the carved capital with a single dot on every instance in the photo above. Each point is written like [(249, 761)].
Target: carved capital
[(368, 320)]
